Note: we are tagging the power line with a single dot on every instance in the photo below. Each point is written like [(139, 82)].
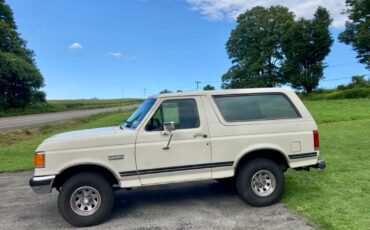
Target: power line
[(213, 82), (341, 78), (186, 87), (340, 65), (335, 79)]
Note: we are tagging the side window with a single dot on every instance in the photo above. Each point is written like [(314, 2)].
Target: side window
[(183, 112), (255, 107)]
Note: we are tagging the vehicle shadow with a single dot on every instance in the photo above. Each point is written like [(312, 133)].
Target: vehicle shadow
[(206, 192)]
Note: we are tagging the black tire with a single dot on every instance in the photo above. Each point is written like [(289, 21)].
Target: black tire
[(86, 180), (260, 166)]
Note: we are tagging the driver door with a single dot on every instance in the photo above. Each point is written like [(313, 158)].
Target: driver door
[(189, 154)]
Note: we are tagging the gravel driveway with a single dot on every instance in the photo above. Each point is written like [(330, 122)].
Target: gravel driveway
[(198, 205)]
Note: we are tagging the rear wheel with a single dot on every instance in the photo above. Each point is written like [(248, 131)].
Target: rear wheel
[(260, 182), (86, 199)]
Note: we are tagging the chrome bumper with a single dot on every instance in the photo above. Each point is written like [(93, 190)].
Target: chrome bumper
[(42, 184)]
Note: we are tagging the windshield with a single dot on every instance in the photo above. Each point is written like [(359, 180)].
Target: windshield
[(134, 120)]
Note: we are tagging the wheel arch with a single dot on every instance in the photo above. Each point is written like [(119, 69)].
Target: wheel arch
[(67, 172), (273, 154)]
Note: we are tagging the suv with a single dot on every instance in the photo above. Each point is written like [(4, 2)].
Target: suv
[(247, 136)]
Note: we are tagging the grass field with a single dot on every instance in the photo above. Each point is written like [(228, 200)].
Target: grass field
[(65, 105), (337, 198), (17, 146)]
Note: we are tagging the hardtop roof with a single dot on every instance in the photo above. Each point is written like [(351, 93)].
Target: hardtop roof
[(222, 92)]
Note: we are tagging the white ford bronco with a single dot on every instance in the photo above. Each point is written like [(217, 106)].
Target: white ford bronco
[(248, 136)]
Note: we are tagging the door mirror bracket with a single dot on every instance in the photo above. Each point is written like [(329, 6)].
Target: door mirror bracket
[(168, 128)]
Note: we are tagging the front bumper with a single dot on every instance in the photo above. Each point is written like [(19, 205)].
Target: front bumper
[(42, 184)]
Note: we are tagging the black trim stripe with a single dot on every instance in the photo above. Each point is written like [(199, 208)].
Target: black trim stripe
[(128, 173), (176, 168), (223, 164), (302, 155)]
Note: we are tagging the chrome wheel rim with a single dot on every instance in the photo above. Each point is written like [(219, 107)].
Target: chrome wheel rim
[(85, 201), (263, 183)]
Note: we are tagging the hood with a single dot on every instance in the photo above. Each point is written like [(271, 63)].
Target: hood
[(88, 138), (83, 133)]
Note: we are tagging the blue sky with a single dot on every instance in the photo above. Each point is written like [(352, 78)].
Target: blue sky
[(110, 49)]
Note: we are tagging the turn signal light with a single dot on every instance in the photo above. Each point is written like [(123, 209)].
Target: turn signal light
[(39, 160)]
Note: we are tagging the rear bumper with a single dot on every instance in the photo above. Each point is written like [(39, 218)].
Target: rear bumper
[(320, 165), (42, 184)]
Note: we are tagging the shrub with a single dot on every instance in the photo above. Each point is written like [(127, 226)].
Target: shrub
[(356, 93), (339, 94)]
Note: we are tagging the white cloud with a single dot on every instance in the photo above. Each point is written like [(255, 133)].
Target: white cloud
[(230, 9), (120, 55), (75, 45), (115, 54), (130, 58)]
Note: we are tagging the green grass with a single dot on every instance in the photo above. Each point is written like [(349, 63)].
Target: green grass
[(17, 146), (65, 105), (337, 198), (326, 111)]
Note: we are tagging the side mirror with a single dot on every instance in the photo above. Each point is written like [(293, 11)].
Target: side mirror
[(169, 126)]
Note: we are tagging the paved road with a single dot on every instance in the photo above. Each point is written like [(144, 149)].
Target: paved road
[(198, 205), (8, 123)]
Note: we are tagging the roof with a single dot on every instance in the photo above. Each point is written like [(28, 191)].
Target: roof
[(222, 92)]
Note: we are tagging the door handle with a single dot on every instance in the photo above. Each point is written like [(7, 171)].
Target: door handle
[(204, 135)]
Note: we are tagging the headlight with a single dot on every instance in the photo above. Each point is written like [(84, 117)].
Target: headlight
[(39, 159)]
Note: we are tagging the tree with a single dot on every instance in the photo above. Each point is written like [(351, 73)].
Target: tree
[(305, 45), (254, 47), (20, 79), (357, 31), (165, 91), (208, 87)]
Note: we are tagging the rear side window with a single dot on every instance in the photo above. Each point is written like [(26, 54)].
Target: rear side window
[(246, 107)]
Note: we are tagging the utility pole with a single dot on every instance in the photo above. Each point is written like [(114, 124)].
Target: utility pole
[(123, 91), (197, 82), (144, 93)]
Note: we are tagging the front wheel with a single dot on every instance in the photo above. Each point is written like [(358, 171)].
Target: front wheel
[(86, 199), (260, 182)]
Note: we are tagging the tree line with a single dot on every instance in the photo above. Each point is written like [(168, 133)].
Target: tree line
[(268, 47)]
